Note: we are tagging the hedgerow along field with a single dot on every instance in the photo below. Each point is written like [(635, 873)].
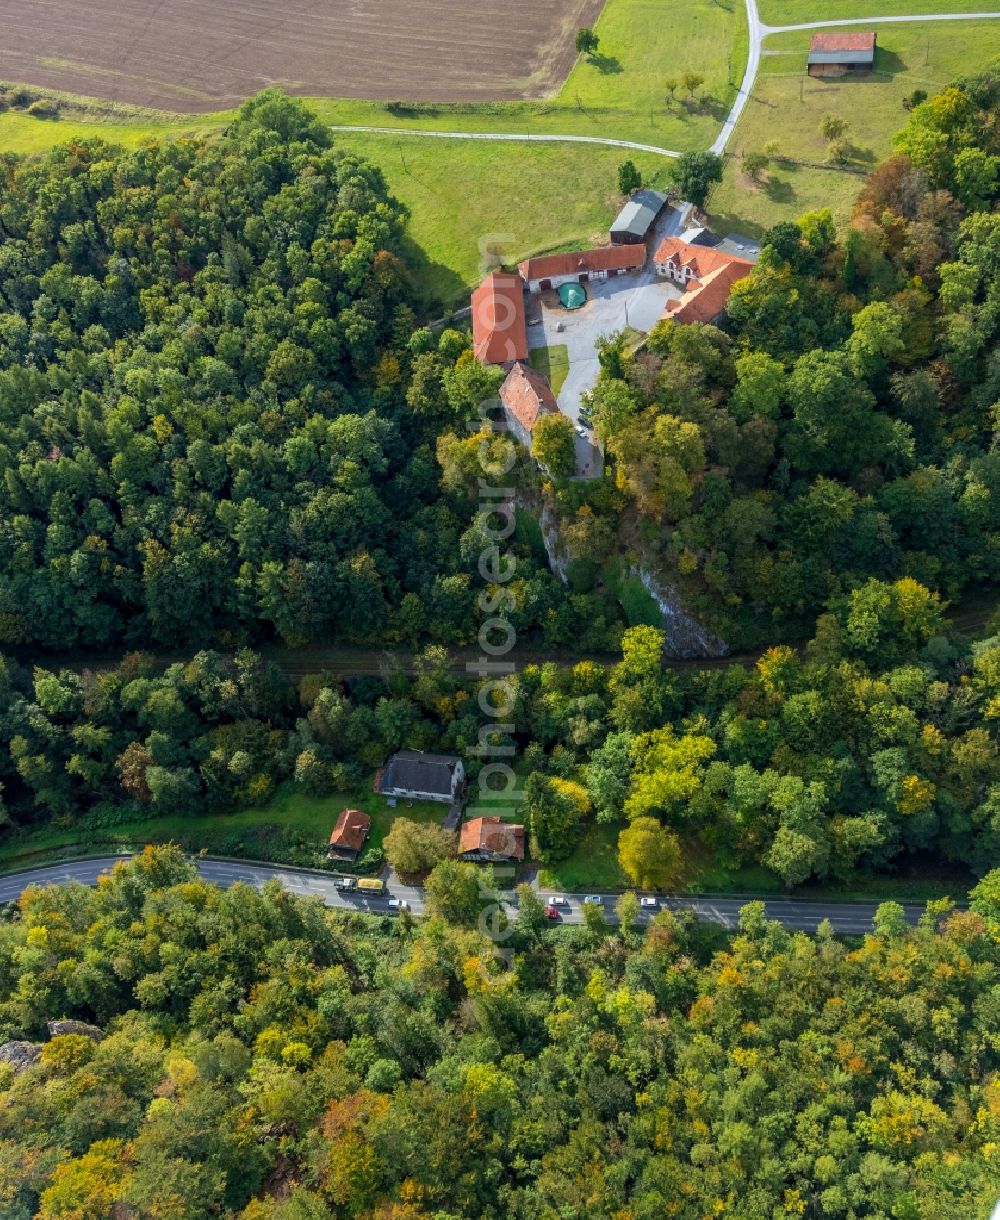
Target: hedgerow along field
[(201, 55)]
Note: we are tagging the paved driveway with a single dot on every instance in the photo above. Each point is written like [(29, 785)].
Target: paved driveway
[(612, 305)]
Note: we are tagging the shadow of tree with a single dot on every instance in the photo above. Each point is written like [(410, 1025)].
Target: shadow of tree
[(779, 190), (607, 65)]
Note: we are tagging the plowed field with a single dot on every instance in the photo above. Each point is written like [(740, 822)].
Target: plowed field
[(203, 55)]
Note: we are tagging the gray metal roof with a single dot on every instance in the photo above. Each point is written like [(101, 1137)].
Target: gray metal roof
[(639, 213), (842, 57)]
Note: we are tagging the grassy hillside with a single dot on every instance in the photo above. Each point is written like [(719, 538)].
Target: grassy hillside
[(787, 106), (794, 12)]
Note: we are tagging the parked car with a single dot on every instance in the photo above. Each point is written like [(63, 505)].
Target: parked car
[(344, 883), (557, 900), (595, 900), (398, 904), (581, 431), (649, 902), (552, 912)]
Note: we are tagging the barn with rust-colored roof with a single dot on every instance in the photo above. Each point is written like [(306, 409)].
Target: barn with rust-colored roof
[(581, 266), (841, 54), (499, 333)]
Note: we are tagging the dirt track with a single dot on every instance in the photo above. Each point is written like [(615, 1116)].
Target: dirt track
[(200, 55)]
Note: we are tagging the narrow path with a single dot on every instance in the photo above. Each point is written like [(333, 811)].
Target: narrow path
[(757, 31), (749, 78), (517, 137), (801, 915), (820, 25)]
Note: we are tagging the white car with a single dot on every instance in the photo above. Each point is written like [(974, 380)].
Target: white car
[(398, 904), (557, 901), (581, 431), (595, 900), (649, 902)]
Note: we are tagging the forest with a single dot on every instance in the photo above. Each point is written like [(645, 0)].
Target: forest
[(218, 415), (253, 1055), (874, 748)]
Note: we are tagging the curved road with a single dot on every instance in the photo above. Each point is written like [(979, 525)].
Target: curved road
[(758, 31), (847, 918)]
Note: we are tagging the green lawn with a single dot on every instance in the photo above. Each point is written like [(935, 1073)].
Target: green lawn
[(552, 362), (468, 199), (787, 105), (593, 866), (794, 12), (292, 828)]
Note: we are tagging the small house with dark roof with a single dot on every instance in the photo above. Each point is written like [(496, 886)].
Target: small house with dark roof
[(636, 219), (491, 840), (349, 835), (499, 329), (841, 54), (526, 396), (414, 775)]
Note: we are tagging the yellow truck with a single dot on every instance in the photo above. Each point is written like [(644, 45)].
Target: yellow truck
[(371, 885)]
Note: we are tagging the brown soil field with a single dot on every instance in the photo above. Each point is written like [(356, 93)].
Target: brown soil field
[(202, 55)]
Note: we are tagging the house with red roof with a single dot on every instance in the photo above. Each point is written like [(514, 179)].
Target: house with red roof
[(349, 835), (706, 274), (841, 54), (491, 840), (499, 332), (526, 396)]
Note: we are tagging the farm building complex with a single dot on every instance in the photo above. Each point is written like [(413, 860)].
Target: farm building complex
[(841, 54)]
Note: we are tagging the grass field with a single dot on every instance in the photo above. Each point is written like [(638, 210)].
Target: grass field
[(787, 105), (292, 827), (795, 12), (552, 362)]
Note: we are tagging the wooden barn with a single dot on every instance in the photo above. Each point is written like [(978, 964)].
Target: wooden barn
[(841, 54)]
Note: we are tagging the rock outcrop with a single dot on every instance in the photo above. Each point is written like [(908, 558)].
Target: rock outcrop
[(58, 1029), (20, 1055)]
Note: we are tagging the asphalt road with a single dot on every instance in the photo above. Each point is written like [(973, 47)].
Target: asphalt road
[(848, 918)]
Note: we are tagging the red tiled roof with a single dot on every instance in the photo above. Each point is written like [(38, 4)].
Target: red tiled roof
[(604, 258), (707, 298), (702, 260), (498, 327), (351, 830), (842, 42), (495, 836), (527, 396)]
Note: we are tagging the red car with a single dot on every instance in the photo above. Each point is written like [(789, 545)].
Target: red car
[(552, 912)]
